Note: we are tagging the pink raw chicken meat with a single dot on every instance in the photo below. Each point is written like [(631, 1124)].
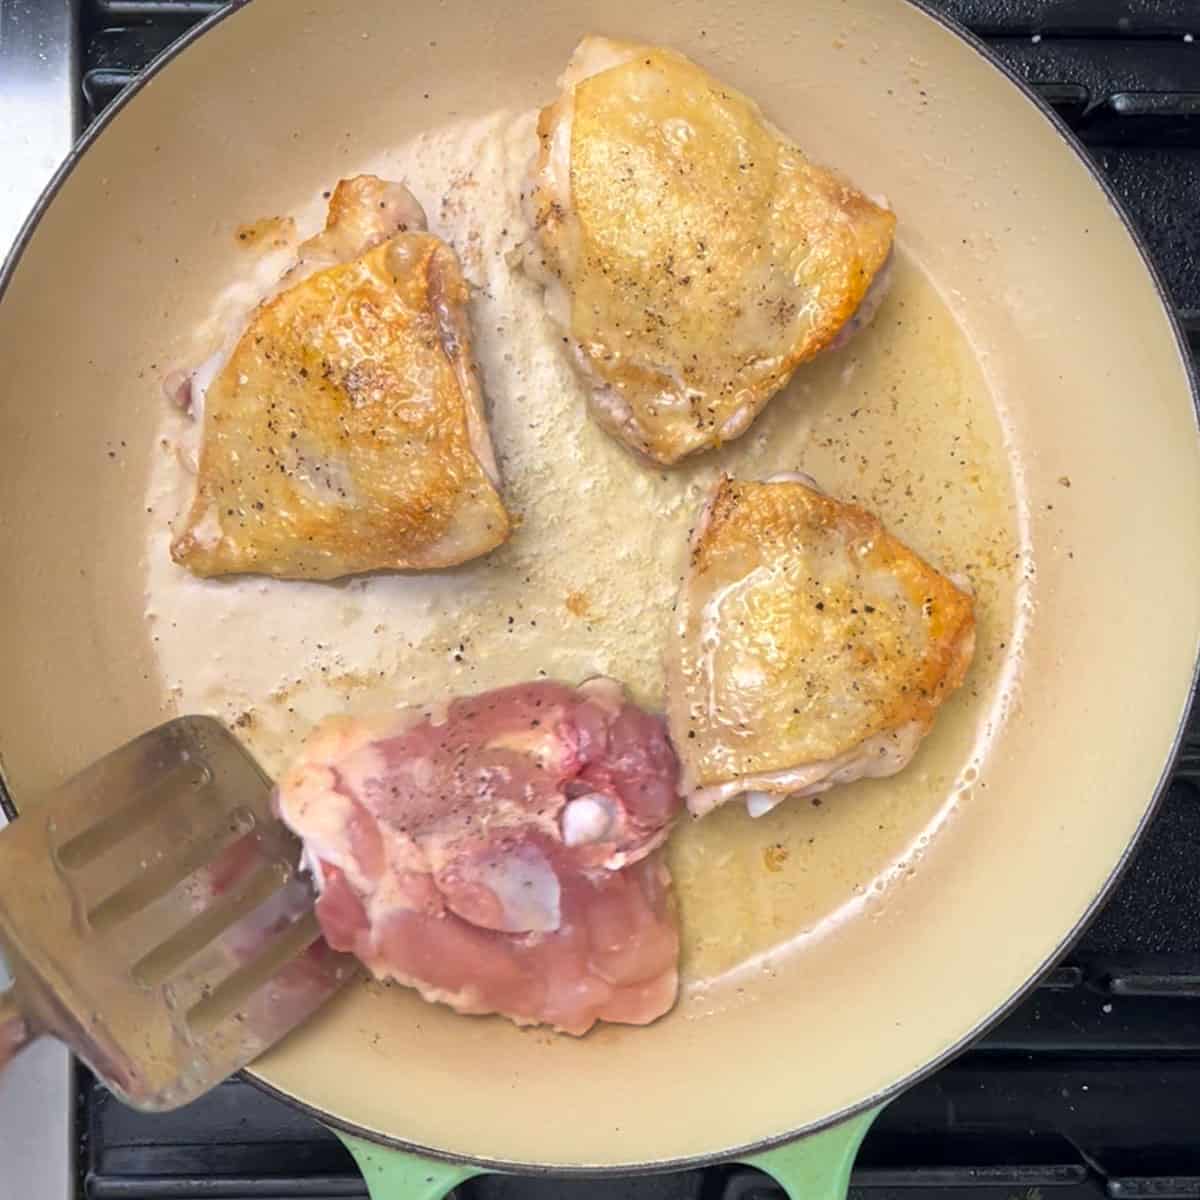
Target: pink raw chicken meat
[(498, 853)]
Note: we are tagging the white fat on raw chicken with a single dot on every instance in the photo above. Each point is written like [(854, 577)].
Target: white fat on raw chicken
[(588, 819)]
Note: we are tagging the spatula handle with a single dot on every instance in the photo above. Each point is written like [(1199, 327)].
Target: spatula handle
[(15, 1031)]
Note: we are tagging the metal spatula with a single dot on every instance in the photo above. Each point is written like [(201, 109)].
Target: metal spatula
[(154, 918)]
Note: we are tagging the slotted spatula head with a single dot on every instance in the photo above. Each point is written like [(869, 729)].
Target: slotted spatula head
[(155, 919)]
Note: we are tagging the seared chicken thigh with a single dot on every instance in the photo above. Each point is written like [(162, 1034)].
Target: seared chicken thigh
[(499, 853), (346, 430), (812, 648), (691, 253)]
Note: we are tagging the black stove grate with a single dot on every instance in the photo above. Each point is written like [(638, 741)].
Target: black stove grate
[(1092, 1087)]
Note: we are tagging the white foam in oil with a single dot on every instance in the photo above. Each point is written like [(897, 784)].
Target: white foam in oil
[(900, 420)]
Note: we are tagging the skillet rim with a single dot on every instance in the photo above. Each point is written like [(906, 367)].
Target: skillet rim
[(8, 807)]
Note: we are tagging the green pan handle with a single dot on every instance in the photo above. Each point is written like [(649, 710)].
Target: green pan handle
[(817, 1167), (396, 1175), (813, 1168)]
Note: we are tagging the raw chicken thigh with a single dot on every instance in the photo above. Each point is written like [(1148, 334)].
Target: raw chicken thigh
[(499, 853), (691, 253), (812, 647)]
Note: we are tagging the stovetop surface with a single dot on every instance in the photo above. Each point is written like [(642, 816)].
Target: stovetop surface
[(1091, 1087)]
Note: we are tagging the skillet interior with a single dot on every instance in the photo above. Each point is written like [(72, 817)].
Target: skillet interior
[(1081, 360)]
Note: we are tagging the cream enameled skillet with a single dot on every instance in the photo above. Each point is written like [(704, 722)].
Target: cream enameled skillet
[(1041, 773)]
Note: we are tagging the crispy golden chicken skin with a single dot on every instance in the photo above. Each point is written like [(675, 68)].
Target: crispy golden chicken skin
[(346, 430), (691, 253), (812, 648)]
